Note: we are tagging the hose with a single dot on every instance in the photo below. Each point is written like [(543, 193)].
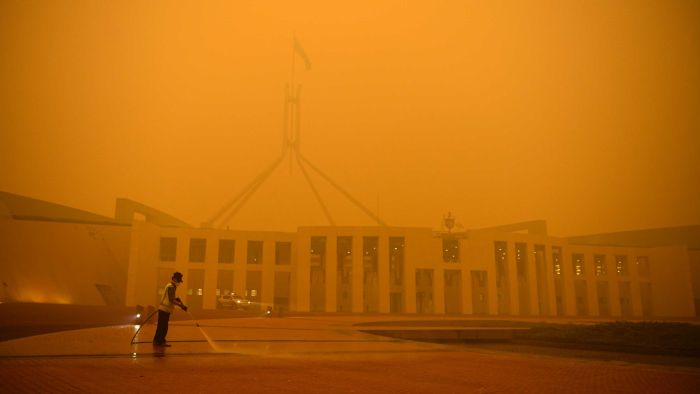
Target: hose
[(143, 324)]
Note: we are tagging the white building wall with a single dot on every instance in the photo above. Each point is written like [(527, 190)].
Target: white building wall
[(670, 269), (671, 284)]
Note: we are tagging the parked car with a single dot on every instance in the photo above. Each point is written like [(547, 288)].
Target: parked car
[(234, 300)]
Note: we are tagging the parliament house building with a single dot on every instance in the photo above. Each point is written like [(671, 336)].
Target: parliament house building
[(57, 254)]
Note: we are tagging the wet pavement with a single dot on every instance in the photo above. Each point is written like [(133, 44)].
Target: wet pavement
[(305, 354)]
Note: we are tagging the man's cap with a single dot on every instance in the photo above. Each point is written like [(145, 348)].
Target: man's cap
[(177, 276)]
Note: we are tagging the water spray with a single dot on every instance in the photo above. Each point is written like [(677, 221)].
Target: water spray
[(211, 341), (196, 323)]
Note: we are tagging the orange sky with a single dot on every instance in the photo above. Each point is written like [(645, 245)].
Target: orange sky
[(583, 113)]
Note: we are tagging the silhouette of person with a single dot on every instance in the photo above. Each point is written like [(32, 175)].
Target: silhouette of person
[(166, 307)]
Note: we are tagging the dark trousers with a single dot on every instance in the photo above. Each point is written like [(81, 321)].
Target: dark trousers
[(162, 328)]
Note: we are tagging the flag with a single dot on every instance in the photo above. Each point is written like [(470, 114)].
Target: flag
[(300, 51)]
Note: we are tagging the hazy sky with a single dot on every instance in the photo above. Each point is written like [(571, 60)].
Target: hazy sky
[(583, 113)]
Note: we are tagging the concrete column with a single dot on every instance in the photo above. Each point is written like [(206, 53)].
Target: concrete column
[(240, 274), (268, 273), (492, 289), (635, 290), (512, 279), (294, 276), (466, 287), (383, 274), (331, 273), (532, 280), (182, 258), (439, 291), (591, 288), (409, 294), (210, 273), (357, 275), (614, 283), (568, 282), (303, 280), (549, 277), (182, 255)]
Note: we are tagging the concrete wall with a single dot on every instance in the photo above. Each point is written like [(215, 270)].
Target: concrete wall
[(672, 286), (694, 256), (67, 263)]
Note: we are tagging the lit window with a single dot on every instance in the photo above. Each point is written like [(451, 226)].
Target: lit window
[(621, 265), (578, 264), (601, 268), (450, 250), (556, 261)]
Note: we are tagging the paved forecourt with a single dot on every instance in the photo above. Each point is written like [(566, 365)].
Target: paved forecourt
[(304, 354)]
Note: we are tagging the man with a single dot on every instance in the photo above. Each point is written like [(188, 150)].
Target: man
[(166, 307)]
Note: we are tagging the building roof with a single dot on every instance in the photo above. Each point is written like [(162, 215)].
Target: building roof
[(26, 208), (670, 236), (530, 227), (125, 210)]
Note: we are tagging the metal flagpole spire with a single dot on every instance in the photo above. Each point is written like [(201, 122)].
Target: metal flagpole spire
[(291, 138), (288, 103)]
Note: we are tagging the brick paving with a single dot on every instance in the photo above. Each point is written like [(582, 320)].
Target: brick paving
[(314, 355)]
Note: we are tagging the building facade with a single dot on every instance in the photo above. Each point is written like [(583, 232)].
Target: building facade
[(55, 254), (412, 270)]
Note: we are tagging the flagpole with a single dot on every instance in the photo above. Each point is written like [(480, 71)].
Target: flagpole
[(290, 100), (293, 57)]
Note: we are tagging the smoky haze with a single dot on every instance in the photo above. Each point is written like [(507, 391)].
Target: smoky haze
[(581, 113)]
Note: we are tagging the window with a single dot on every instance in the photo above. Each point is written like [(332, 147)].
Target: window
[(543, 289), (621, 265), (224, 287), (501, 257), (317, 272), (601, 268), (318, 253), (556, 262), (479, 278), (643, 266), (344, 261), (227, 248), (424, 291), (283, 253), (255, 251), (577, 259), (502, 279), (396, 260), (370, 277), (521, 268), (370, 257), (168, 248), (198, 250), (521, 260), (344, 272), (450, 250)]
